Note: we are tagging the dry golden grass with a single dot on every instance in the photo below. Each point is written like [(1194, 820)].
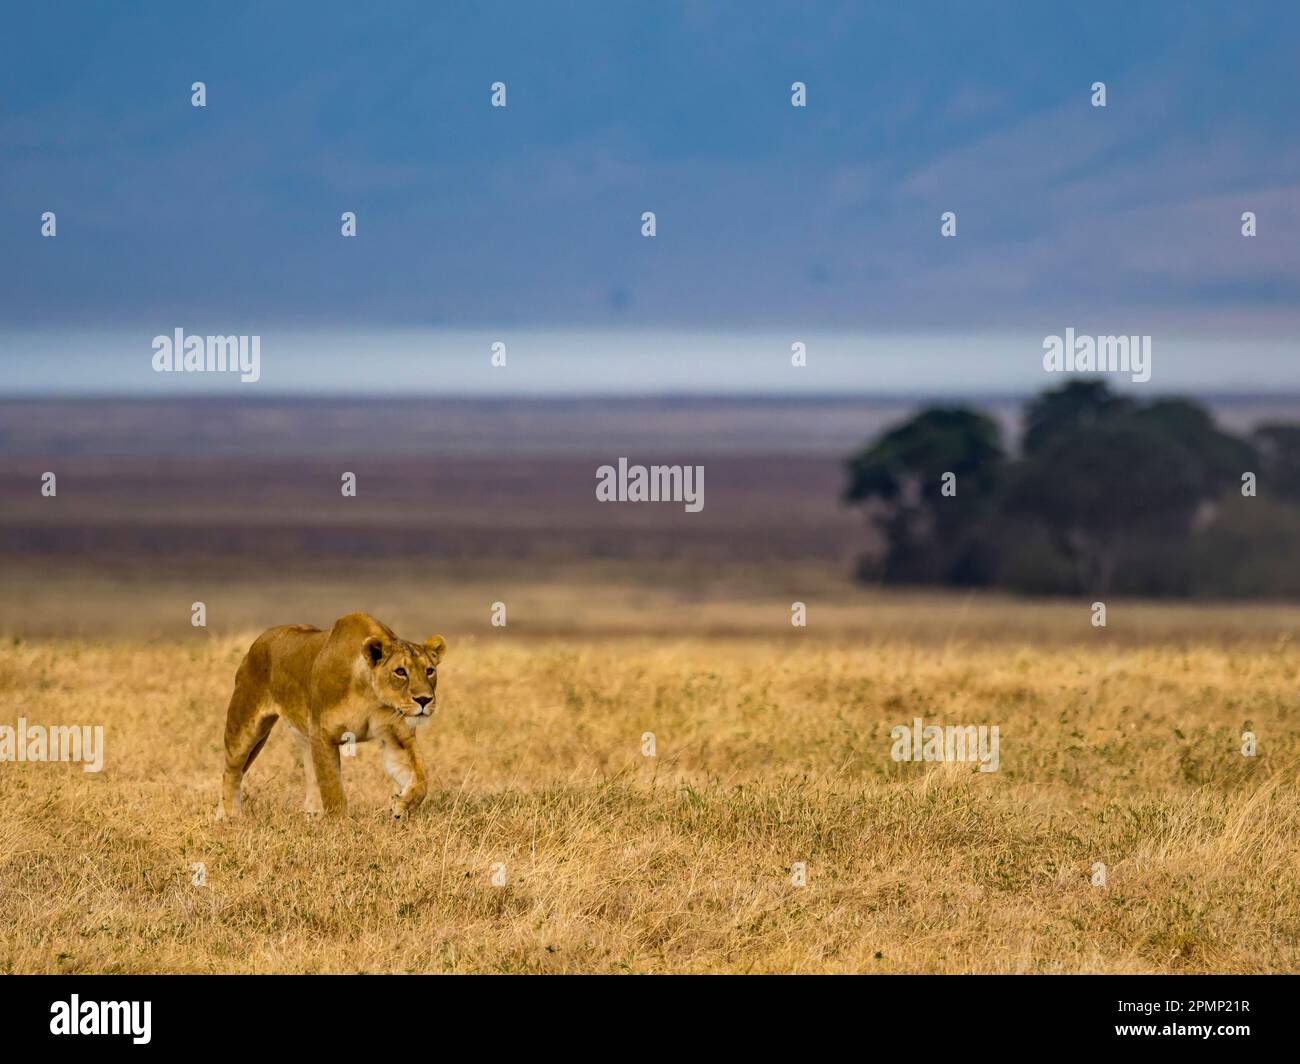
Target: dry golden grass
[(770, 750)]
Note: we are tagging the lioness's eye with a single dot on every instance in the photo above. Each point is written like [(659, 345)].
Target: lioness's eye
[(428, 672), (401, 673)]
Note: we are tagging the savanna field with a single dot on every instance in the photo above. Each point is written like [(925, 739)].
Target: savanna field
[(772, 747)]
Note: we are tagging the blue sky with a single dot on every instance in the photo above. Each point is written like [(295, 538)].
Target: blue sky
[(772, 221)]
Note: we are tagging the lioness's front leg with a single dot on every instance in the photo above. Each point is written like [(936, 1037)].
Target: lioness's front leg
[(311, 802), (329, 774), (404, 767)]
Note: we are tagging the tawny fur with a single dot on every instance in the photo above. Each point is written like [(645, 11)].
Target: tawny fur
[(356, 682)]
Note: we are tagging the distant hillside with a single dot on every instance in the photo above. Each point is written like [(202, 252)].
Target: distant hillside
[(256, 482), (287, 427)]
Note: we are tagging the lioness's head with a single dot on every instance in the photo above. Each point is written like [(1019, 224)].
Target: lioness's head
[(405, 675)]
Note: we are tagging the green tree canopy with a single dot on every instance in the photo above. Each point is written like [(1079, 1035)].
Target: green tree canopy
[(900, 479), (1103, 480)]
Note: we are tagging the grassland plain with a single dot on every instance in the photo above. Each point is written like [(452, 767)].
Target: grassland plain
[(772, 747)]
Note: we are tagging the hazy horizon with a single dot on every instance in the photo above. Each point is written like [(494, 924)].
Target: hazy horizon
[(649, 363)]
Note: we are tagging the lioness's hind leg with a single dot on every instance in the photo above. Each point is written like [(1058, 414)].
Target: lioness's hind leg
[(248, 724)]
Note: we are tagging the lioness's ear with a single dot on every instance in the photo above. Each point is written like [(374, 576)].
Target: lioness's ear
[(436, 646), (374, 649)]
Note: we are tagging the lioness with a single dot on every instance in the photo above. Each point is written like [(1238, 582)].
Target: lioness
[(357, 681)]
